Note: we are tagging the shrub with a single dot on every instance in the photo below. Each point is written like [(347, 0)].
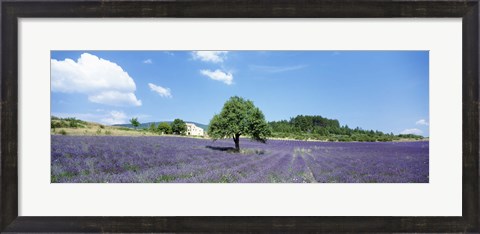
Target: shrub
[(152, 128), (72, 122), (125, 129), (164, 128), (63, 132)]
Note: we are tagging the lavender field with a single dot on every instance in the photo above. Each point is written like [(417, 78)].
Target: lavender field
[(115, 159)]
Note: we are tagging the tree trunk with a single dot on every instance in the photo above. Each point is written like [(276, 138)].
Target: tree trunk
[(236, 139)]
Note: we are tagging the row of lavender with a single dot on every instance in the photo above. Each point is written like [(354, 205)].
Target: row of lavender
[(101, 159)]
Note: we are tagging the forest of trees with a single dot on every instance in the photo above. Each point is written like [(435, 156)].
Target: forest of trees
[(304, 127)]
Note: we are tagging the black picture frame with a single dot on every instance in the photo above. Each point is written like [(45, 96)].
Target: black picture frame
[(11, 11)]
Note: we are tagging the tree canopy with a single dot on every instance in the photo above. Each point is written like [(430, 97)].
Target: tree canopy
[(317, 127), (179, 127), (164, 128), (239, 117), (134, 122)]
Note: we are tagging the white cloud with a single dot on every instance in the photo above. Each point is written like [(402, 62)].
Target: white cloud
[(115, 117), (415, 131), (95, 77), (219, 75), (147, 61), (163, 92), (115, 98), (276, 69), (210, 56), (422, 122)]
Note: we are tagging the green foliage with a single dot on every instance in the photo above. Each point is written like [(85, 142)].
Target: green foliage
[(63, 132), (410, 136), (179, 127), (319, 128), (53, 125), (125, 129), (239, 117), (152, 127), (66, 123), (134, 122), (72, 122), (164, 128), (60, 124)]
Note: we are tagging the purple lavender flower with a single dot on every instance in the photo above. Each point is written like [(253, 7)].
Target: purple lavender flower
[(114, 159)]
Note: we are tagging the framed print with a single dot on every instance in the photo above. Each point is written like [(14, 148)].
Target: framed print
[(195, 146), (237, 116)]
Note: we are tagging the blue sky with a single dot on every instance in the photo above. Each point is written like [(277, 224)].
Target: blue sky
[(380, 90)]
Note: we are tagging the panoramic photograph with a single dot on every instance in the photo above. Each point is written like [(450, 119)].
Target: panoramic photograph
[(239, 116)]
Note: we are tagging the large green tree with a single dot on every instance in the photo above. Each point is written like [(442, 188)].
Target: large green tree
[(179, 127), (239, 117)]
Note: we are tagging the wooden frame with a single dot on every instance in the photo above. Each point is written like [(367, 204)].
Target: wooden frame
[(12, 10)]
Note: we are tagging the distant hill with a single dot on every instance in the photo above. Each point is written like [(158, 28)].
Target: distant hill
[(147, 125)]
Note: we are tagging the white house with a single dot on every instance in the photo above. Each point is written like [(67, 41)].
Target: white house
[(193, 130)]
